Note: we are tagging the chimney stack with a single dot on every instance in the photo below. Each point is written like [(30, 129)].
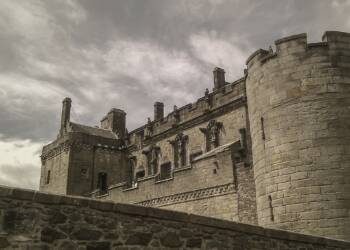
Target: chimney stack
[(65, 117), (115, 121), (219, 78), (158, 111)]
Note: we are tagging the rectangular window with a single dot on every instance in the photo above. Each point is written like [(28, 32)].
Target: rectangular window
[(262, 128), (165, 171), (48, 177), (102, 183)]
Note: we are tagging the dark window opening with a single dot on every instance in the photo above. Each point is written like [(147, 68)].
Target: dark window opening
[(272, 217), (165, 171), (140, 174), (48, 177), (130, 172), (243, 138), (183, 155), (102, 183), (262, 128)]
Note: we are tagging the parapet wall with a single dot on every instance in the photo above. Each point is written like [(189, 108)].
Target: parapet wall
[(34, 220), (184, 117), (298, 101)]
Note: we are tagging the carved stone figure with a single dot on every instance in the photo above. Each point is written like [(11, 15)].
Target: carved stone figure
[(211, 133), (180, 151)]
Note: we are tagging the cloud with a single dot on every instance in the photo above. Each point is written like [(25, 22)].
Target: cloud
[(218, 51), (128, 54), (20, 163)]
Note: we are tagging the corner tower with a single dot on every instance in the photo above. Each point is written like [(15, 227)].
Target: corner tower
[(299, 111)]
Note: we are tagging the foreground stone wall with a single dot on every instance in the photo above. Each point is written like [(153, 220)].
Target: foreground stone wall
[(34, 220), (298, 99)]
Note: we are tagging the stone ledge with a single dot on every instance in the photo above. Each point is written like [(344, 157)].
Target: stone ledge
[(290, 38), (45, 198), (329, 35)]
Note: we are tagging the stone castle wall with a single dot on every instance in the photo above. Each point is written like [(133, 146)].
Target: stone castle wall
[(34, 220), (207, 185), (299, 99), (293, 105), (54, 170)]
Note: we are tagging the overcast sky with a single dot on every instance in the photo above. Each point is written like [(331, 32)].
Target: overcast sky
[(127, 54)]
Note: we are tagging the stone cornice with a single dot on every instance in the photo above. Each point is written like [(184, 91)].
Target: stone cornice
[(228, 188)]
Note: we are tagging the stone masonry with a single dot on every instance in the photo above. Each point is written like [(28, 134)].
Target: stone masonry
[(35, 220), (271, 148)]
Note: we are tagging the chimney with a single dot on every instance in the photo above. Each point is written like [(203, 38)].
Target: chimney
[(158, 111), (115, 121), (65, 117), (219, 78)]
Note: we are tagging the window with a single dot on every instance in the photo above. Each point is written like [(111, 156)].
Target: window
[(140, 174), (48, 177), (165, 171), (262, 128), (130, 171), (102, 183)]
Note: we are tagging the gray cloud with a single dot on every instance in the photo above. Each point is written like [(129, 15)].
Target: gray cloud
[(127, 54)]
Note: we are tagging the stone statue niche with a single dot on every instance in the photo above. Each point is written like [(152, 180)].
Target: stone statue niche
[(179, 145), (212, 133), (152, 156)]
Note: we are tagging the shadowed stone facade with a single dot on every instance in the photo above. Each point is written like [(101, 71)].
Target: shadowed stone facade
[(272, 148)]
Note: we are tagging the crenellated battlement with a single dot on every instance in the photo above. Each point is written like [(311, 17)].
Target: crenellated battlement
[(296, 44), (298, 98)]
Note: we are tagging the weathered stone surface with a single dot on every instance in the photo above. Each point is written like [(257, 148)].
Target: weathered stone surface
[(49, 235), (67, 245), (171, 239), (57, 218), (86, 234), (140, 239), (134, 230), (4, 242), (99, 246), (194, 243)]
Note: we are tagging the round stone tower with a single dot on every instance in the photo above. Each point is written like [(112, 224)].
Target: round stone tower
[(299, 112)]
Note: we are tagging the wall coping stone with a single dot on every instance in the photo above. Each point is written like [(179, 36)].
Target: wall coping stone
[(289, 38), (131, 209)]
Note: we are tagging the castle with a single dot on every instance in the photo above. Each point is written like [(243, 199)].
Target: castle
[(272, 148)]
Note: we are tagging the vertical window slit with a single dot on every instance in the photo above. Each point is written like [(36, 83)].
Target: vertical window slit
[(48, 177), (271, 209), (262, 128)]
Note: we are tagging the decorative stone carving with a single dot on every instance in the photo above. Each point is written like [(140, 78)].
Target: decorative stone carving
[(211, 133), (189, 196), (179, 145), (152, 154)]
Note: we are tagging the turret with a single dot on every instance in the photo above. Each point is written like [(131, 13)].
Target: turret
[(299, 117), (65, 117), (115, 121)]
